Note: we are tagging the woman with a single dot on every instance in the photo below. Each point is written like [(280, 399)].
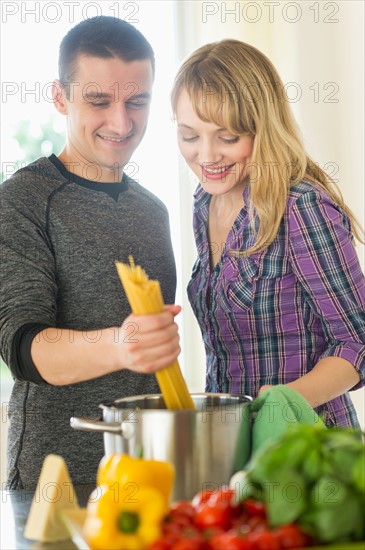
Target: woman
[(277, 288)]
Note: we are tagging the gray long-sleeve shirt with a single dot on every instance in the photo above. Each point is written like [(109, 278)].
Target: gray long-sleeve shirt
[(59, 244)]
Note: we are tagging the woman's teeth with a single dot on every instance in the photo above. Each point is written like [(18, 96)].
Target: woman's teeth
[(216, 170)]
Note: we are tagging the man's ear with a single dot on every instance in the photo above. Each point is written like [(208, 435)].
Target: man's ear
[(59, 97)]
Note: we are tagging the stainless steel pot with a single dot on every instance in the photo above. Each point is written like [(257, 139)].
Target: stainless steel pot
[(206, 445)]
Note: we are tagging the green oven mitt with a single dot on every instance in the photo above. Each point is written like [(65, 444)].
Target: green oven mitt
[(277, 408)]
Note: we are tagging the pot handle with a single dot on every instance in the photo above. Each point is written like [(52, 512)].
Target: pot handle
[(83, 423)]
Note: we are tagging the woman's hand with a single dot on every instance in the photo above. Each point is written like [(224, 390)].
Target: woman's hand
[(264, 388)]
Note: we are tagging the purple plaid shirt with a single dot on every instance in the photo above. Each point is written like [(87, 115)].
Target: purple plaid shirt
[(269, 318)]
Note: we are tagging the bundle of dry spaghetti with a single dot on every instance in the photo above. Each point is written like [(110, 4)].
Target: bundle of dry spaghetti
[(144, 296)]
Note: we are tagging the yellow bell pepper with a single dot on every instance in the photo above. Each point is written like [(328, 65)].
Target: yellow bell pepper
[(123, 521), (125, 469)]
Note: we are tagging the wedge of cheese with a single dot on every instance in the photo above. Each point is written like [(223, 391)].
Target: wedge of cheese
[(54, 493)]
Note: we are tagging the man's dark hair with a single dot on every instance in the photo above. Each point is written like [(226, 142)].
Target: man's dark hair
[(102, 36)]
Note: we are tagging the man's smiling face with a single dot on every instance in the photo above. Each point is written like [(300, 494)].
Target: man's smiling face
[(107, 111)]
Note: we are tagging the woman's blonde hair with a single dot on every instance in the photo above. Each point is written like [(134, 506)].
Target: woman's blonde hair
[(233, 84)]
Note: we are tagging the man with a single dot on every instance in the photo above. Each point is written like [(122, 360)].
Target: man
[(67, 333)]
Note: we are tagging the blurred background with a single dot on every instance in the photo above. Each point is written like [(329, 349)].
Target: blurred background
[(317, 47)]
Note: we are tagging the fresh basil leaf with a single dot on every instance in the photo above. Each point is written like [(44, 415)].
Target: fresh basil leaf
[(335, 521), (358, 473), (312, 465), (343, 461), (285, 496)]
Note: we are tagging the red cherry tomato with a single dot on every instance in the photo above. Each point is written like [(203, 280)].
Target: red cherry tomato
[(213, 516), (263, 540), (230, 540), (180, 517), (210, 532), (191, 539), (202, 497), (254, 508), (223, 497), (291, 536), (217, 511), (166, 542), (175, 524), (184, 509)]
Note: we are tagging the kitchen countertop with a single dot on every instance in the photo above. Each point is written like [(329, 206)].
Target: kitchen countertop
[(14, 509)]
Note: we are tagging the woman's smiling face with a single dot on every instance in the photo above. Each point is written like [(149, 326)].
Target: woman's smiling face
[(217, 157)]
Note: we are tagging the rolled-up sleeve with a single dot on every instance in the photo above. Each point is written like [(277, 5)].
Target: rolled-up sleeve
[(325, 263)]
